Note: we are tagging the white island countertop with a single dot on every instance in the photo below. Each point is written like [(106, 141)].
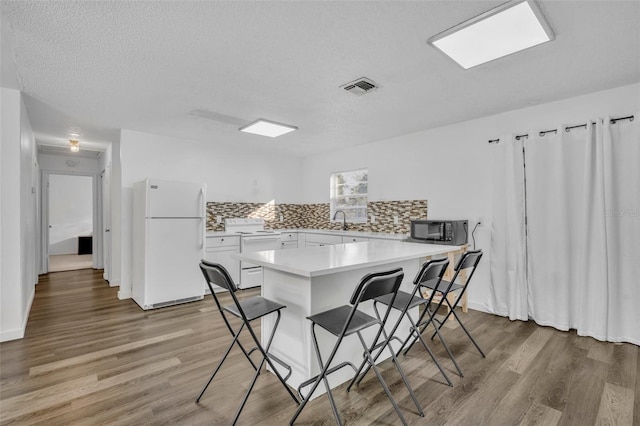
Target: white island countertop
[(317, 261)]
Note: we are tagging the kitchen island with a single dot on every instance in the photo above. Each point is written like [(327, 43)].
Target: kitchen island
[(314, 279)]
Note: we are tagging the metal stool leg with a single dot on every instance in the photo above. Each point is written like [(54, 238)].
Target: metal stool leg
[(235, 339), (321, 376), (268, 359), (265, 357), (246, 395), (359, 379), (381, 380), (401, 371), (452, 311), (446, 347), (226, 321), (418, 328)]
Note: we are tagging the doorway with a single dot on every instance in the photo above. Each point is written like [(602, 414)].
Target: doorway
[(71, 222), (65, 221)]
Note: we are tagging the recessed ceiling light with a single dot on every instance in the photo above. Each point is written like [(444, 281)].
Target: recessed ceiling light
[(267, 128), (509, 28)]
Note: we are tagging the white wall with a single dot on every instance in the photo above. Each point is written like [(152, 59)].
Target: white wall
[(230, 175), (451, 166), (69, 164), (19, 220), (70, 212)]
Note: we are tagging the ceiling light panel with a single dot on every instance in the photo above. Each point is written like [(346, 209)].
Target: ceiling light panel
[(267, 128), (509, 28)]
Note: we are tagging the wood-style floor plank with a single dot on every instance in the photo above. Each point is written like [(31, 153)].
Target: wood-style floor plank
[(539, 414), (91, 359), (616, 406)]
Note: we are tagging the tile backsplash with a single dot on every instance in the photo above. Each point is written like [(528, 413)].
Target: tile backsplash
[(316, 216)]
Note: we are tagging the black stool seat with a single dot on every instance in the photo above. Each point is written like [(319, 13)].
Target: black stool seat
[(334, 320), (443, 286), (254, 307), (402, 299)]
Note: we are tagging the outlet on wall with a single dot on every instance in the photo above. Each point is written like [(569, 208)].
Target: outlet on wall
[(480, 221), (373, 218), (281, 218), (218, 219), (395, 220)]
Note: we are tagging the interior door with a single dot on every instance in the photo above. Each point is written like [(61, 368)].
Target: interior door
[(105, 181)]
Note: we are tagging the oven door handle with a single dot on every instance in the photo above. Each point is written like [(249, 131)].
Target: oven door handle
[(266, 238)]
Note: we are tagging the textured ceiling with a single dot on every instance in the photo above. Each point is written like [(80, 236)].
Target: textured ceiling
[(199, 70)]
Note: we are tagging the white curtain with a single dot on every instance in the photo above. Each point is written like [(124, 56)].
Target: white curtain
[(508, 292), (582, 251), (567, 265), (621, 147)]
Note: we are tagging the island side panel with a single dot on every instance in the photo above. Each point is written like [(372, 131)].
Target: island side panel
[(292, 342)]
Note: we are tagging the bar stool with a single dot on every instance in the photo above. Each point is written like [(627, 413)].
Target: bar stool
[(247, 310), (432, 270), (468, 260), (346, 320)]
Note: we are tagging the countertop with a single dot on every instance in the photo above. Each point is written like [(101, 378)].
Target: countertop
[(347, 233), (317, 261)]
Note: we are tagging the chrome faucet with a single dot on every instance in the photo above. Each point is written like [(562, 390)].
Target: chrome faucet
[(344, 218)]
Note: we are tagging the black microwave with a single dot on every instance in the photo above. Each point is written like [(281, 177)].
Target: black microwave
[(449, 232)]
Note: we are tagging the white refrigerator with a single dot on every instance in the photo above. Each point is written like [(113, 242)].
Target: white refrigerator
[(168, 242)]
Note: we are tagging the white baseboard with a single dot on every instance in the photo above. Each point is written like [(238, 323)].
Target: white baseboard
[(18, 333), (124, 294), (478, 306), (5, 336)]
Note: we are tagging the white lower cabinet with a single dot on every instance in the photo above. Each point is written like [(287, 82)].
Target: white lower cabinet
[(313, 240), (251, 277), (289, 240), (353, 239), (288, 244), (219, 250)]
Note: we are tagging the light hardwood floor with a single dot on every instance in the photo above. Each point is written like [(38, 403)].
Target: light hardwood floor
[(89, 358), (70, 262)]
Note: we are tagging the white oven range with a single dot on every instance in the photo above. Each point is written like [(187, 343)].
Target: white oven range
[(253, 237)]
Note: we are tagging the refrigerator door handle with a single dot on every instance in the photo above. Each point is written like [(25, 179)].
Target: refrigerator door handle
[(203, 207), (203, 210), (202, 234)]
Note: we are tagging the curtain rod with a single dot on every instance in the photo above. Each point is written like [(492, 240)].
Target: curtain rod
[(566, 129)]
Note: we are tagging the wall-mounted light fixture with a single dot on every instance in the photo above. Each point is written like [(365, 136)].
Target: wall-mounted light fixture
[(74, 145), (267, 128)]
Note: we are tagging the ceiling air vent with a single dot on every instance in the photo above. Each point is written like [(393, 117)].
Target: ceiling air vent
[(360, 86)]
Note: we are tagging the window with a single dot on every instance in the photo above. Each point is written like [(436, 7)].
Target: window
[(349, 194)]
